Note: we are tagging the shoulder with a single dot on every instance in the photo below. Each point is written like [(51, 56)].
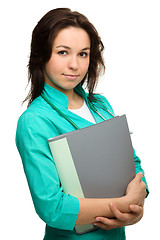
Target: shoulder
[(35, 120), (101, 98), (101, 101), (37, 111), (30, 115)]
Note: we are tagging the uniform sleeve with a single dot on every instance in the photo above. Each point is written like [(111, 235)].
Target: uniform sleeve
[(51, 204), (139, 169)]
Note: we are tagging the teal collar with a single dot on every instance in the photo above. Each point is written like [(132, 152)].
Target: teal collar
[(60, 99), (59, 102)]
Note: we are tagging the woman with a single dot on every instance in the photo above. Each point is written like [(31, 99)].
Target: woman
[(66, 52)]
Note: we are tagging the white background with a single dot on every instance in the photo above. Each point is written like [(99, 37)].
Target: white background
[(130, 31)]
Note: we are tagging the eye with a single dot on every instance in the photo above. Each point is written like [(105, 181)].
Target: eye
[(63, 53), (83, 54)]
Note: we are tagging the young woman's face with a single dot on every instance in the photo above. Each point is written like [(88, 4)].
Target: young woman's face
[(70, 59)]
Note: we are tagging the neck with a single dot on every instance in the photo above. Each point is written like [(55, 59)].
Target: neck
[(70, 94), (75, 101)]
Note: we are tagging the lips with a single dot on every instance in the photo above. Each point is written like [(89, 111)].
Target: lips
[(70, 76)]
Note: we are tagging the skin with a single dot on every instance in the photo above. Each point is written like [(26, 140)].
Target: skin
[(66, 68), (121, 219), (115, 212), (69, 63)]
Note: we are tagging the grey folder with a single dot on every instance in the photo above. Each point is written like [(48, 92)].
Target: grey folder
[(96, 161)]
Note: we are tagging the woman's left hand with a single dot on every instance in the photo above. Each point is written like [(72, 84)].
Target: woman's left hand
[(121, 219)]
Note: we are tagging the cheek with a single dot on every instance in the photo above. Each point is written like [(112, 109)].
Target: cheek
[(84, 63), (85, 66), (53, 66)]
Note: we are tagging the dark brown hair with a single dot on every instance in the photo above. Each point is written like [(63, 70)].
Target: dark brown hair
[(41, 48)]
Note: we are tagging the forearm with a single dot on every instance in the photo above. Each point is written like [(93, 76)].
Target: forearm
[(91, 208)]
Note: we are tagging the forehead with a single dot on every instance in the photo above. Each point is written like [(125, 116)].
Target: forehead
[(72, 37)]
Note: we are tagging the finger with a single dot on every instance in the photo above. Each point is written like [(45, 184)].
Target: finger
[(119, 215), (136, 209), (139, 176), (107, 224), (105, 221), (104, 226), (101, 225), (101, 222)]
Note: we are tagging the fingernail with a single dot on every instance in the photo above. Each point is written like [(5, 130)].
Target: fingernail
[(95, 224), (132, 207), (141, 174), (98, 219)]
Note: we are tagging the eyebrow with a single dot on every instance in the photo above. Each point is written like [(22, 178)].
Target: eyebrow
[(87, 48)]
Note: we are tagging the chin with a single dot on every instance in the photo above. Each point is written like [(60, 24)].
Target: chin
[(70, 86)]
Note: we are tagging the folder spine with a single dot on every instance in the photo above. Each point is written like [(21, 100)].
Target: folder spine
[(66, 168)]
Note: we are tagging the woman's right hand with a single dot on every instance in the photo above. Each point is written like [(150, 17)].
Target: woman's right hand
[(133, 200), (136, 190)]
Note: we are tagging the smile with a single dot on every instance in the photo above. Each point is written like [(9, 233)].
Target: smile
[(70, 76)]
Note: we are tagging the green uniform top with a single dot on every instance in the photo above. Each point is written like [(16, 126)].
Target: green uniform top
[(35, 126)]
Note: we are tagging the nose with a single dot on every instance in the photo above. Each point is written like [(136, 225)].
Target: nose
[(73, 63)]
